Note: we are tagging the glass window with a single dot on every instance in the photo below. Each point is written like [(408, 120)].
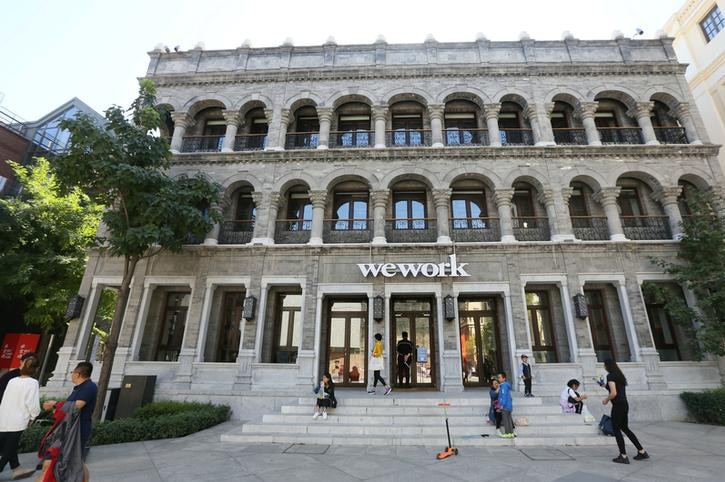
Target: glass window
[(599, 323), (299, 211), (410, 210), (351, 210), (712, 23), (523, 203), (542, 332), (246, 211), (172, 328), (468, 208), (287, 339), (577, 203), (229, 334), (628, 201)]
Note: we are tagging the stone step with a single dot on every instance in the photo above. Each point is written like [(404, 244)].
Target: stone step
[(477, 419), (344, 409), (381, 400)]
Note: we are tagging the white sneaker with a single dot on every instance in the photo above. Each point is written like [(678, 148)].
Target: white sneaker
[(324, 416), (315, 415), (389, 390)]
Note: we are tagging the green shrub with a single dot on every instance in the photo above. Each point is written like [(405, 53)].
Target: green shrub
[(158, 420), (707, 406)]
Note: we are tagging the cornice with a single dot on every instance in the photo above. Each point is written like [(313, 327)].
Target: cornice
[(433, 71), (624, 152)]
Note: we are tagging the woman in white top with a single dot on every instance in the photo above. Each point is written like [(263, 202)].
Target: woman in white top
[(20, 405)]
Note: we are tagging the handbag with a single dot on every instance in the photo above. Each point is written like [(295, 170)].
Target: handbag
[(376, 363), (521, 421), (588, 417)]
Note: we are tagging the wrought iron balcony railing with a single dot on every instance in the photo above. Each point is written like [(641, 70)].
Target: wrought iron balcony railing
[(475, 229), (202, 143), (302, 140), (620, 135), (236, 232), (347, 231), (531, 228), (250, 142), (349, 139), (408, 138), (292, 231), (671, 135), (411, 230), (590, 228), (646, 227), (465, 137), (570, 137), (517, 137)]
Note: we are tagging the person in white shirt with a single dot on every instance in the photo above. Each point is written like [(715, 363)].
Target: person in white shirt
[(20, 405)]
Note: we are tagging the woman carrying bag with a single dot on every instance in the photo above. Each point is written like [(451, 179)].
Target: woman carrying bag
[(376, 365)]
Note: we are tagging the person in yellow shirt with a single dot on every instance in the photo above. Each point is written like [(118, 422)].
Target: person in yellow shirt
[(376, 365)]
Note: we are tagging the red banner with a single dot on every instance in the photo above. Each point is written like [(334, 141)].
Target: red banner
[(14, 346)]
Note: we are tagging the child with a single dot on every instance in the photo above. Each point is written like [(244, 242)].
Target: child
[(506, 403), (525, 373), (494, 410), (570, 400), (376, 365), (325, 396)]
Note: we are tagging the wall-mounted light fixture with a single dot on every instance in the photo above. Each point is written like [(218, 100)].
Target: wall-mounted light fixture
[(75, 306), (449, 308), (378, 308), (250, 305), (580, 306)]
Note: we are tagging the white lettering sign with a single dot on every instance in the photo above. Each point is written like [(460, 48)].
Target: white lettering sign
[(429, 270)]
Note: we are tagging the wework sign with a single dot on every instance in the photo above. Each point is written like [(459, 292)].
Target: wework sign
[(451, 269)]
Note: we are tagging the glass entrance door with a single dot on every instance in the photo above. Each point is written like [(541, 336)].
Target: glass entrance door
[(480, 354), (347, 342), (414, 317)]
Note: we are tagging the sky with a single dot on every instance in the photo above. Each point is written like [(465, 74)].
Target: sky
[(53, 50)]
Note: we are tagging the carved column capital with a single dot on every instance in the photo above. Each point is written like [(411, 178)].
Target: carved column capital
[(607, 195), (641, 109), (435, 111), (566, 193), (531, 113), (318, 198), (182, 119), (284, 117), (682, 110), (379, 198), (546, 197), (274, 198), (667, 195), (441, 197), (231, 116), (380, 112), (325, 113), (257, 198), (548, 108), (586, 110), (269, 114), (490, 111), (503, 197)]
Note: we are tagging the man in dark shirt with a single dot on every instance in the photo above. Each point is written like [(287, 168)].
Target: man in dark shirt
[(84, 395), (13, 373), (405, 355)]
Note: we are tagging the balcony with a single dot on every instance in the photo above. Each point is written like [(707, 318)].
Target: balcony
[(347, 231), (465, 137), (202, 143), (531, 228), (408, 138), (250, 142), (590, 228), (517, 137), (236, 232), (302, 140), (420, 230), (646, 227), (570, 137), (352, 139), (671, 135), (292, 231), (471, 230), (620, 135)]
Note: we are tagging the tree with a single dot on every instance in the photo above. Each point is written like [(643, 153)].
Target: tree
[(124, 167), (702, 270), (44, 237)]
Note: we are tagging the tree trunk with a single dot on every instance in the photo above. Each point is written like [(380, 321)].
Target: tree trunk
[(109, 352)]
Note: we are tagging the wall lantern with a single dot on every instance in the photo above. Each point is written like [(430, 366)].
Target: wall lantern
[(378, 308), (580, 306), (449, 308), (250, 303), (75, 306)]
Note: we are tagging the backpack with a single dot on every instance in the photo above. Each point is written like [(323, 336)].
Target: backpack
[(606, 426)]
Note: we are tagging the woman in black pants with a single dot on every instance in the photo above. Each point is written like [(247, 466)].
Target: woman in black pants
[(616, 383)]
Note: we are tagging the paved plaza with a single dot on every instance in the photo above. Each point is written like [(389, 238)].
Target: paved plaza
[(680, 452)]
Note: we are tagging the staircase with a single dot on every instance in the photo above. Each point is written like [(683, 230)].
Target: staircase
[(416, 419)]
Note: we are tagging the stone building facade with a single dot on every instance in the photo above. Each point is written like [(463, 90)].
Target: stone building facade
[(492, 199)]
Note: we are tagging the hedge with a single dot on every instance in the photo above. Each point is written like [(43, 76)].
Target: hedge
[(158, 420), (706, 407)]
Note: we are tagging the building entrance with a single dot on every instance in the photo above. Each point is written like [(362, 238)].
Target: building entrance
[(414, 316), (347, 334), (480, 354)]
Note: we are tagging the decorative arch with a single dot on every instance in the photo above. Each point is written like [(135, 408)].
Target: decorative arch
[(298, 177), (529, 179), (348, 95), (416, 174), (349, 174), (195, 104), (622, 94), (513, 95), (488, 178), (701, 180), (252, 104), (472, 94), (256, 99), (528, 174), (302, 99), (590, 177), (650, 177), (665, 95), (233, 182), (407, 94), (565, 94)]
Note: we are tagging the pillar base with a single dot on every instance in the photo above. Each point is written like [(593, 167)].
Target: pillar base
[(545, 144), (563, 237), (210, 242), (653, 143), (437, 144), (595, 143), (274, 148), (495, 144), (380, 146), (696, 142), (174, 151), (618, 237), (227, 149), (378, 240), (315, 241), (322, 147), (262, 241), (508, 238), (444, 240)]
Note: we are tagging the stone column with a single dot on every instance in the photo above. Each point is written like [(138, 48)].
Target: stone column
[(566, 230), (272, 130), (212, 237), (435, 113), (318, 199), (324, 114), (259, 235), (490, 111), (586, 114), (667, 197), (607, 197), (442, 200), (642, 112), (546, 197), (503, 203), (380, 116), (232, 118), (682, 112), (283, 125), (182, 121), (379, 200), (273, 208), (538, 120)]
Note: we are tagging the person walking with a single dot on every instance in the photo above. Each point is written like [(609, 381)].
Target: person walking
[(20, 405), (616, 385), (506, 402), (376, 365), (14, 373), (525, 374), (405, 355)]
